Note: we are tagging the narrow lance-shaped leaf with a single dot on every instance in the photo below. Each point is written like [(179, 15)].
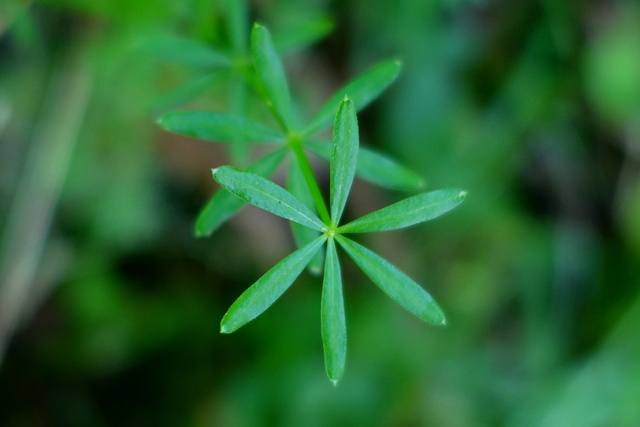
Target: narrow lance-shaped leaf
[(407, 212), (237, 18), (374, 167), (302, 34), (218, 127), (266, 195), (189, 90), (397, 285), (223, 205), (271, 76), (301, 234), (239, 150), (185, 51), (344, 155), (334, 329), (362, 90), (268, 288)]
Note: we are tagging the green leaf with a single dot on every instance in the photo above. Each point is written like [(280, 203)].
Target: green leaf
[(189, 90), (301, 234), (362, 90), (237, 18), (255, 300), (397, 285), (407, 212), (223, 205), (271, 76), (185, 51), (217, 127), (334, 329), (238, 150), (344, 155), (302, 35), (375, 167), (266, 195)]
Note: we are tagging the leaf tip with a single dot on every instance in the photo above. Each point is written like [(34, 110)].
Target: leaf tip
[(224, 329), (315, 270), (440, 320), (398, 62), (200, 231), (462, 195), (334, 382), (160, 121), (434, 314)]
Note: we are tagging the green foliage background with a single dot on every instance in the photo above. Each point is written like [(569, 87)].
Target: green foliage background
[(532, 106)]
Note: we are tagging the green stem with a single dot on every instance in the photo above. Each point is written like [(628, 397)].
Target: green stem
[(312, 184)]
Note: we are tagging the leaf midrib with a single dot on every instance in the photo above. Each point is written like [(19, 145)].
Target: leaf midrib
[(356, 223), (253, 300), (257, 189), (382, 274)]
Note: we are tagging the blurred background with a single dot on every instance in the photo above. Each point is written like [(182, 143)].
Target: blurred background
[(110, 307)]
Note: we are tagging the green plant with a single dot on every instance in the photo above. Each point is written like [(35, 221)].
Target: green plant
[(270, 81), (228, 62), (313, 223)]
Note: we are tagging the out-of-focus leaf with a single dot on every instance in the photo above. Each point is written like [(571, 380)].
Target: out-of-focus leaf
[(223, 205), (334, 329), (185, 51), (303, 235), (237, 102), (397, 285), (362, 90), (188, 91), (612, 67), (238, 28), (407, 212), (344, 155), (302, 35), (375, 167), (268, 288), (271, 76), (266, 195), (218, 127)]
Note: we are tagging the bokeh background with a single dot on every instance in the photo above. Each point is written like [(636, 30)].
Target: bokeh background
[(110, 307)]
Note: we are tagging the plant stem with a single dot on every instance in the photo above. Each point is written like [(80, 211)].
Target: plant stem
[(310, 179)]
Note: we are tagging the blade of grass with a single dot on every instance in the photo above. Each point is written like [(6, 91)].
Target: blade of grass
[(26, 234), (407, 212), (223, 205), (374, 167), (301, 234), (334, 329), (344, 155), (266, 195), (255, 300), (397, 285), (271, 76), (218, 127), (362, 90)]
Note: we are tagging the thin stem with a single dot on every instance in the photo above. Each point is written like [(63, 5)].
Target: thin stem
[(310, 179)]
